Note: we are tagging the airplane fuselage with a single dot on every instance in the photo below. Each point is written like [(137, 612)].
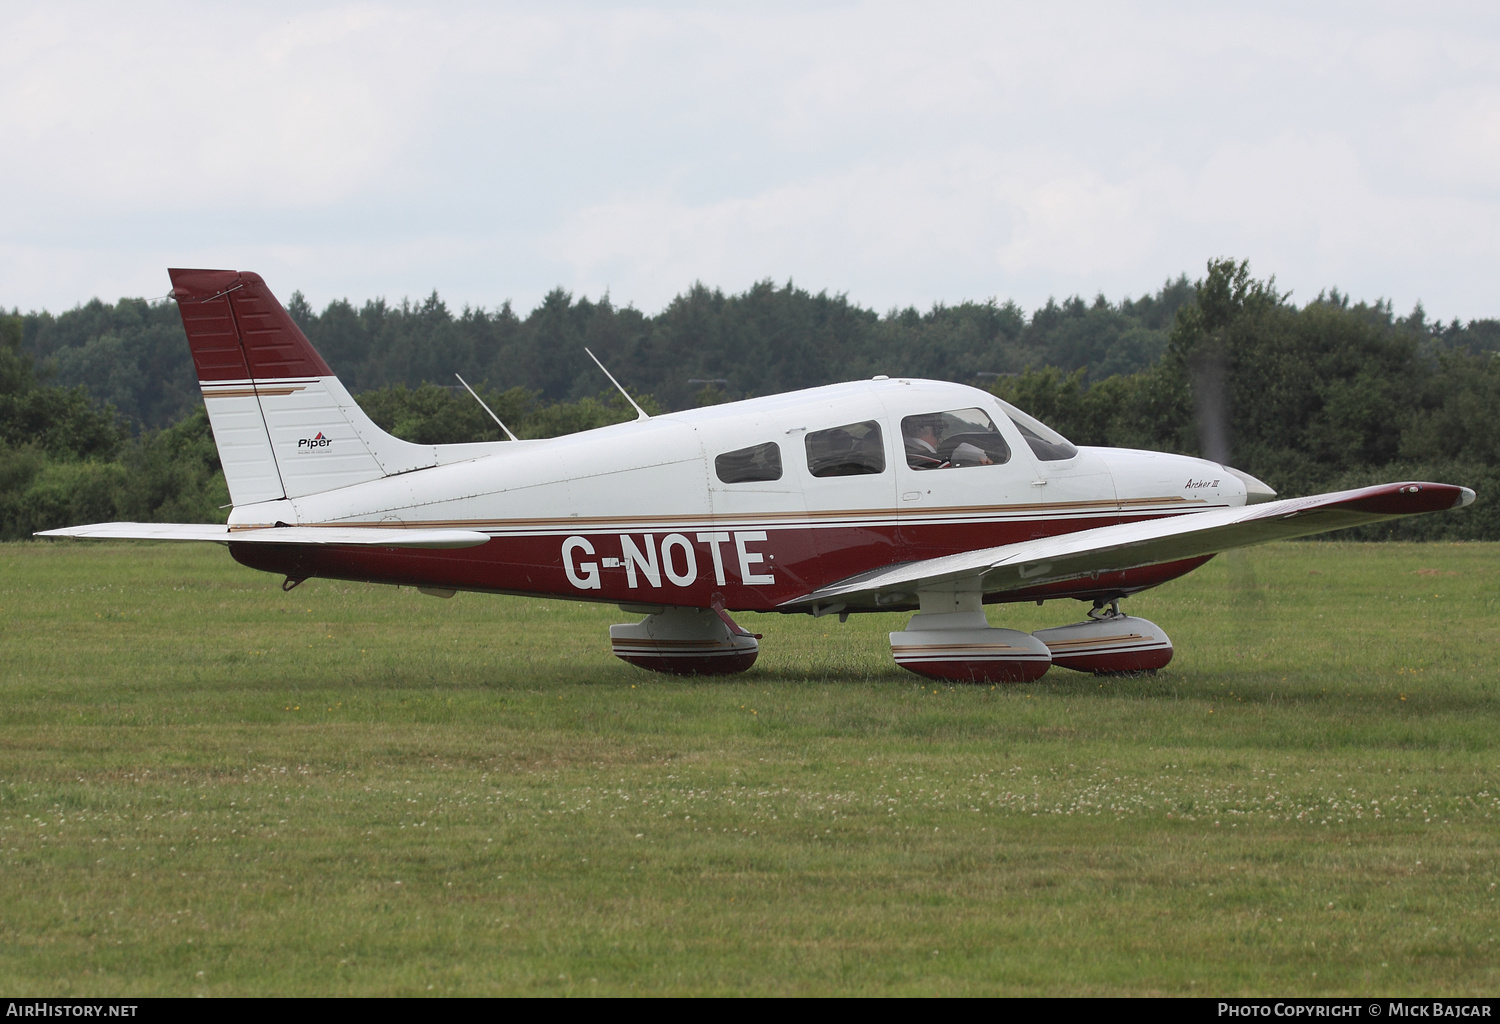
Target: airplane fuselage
[(640, 513)]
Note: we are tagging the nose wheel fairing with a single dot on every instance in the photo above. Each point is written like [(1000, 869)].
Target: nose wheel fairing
[(1109, 645)]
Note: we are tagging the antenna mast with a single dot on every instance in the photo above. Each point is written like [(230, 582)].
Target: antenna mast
[(487, 409), (616, 383)]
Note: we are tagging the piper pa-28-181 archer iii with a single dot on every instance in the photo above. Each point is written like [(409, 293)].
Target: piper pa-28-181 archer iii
[(877, 495)]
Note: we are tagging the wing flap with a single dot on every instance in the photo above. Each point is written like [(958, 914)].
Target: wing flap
[(361, 536), (1154, 542)]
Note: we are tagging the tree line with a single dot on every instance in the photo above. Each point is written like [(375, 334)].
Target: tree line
[(100, 416), (766, 340)]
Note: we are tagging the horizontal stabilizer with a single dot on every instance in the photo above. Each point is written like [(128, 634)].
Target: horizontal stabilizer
[(1071, 556), (364, 536)]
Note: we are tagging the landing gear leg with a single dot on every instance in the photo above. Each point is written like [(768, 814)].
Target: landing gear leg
[(1105, 608)]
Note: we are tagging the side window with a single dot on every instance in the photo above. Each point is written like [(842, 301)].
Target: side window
[(854, 449), (953, 440), (760, 462)]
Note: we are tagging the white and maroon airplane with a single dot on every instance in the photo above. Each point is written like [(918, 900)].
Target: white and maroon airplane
[(878, 495)]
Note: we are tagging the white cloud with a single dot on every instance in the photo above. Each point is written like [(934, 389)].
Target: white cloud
[(976, 217), (115, 113), (902, 154)]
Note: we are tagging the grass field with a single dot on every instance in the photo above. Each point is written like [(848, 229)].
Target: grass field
[(211, 787)]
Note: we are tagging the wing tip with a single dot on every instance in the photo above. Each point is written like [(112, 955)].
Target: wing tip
[(79, 532)]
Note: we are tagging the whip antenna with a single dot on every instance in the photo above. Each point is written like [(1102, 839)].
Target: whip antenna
[(616, 383), (487, 409)]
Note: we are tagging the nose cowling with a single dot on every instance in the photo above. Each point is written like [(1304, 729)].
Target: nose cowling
[(1149, 475)]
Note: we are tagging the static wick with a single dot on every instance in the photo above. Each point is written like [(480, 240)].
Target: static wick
[(487, 409), (638, 409)]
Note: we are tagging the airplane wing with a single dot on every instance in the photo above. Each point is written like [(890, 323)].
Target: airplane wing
[(364, 536), (1134, 545)]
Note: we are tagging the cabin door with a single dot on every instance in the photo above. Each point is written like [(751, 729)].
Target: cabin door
[(960, 482)]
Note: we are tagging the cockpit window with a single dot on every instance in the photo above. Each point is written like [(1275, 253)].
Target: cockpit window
[(949, 440), (759, 462), (1046, 443), (854, 449)]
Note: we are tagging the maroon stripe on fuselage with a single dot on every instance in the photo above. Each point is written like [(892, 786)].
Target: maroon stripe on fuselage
[(798, 560)]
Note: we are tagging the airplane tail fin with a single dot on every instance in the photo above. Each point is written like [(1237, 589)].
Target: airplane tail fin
[(284, 424)]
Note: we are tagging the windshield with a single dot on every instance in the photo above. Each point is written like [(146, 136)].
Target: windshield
[(1047, 444)]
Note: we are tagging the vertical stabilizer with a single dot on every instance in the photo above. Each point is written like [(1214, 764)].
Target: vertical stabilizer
[(284, 424)]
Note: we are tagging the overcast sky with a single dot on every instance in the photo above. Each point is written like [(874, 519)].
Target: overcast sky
[(900, 153)]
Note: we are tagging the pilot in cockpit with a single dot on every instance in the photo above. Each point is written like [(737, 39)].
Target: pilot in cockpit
[(922, 442), (923, 436)]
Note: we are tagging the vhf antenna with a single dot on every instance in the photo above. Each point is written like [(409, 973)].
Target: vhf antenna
[(487, 409), (616, 383)]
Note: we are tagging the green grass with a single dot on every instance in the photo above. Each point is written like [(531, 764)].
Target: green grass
[(211, 787)]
